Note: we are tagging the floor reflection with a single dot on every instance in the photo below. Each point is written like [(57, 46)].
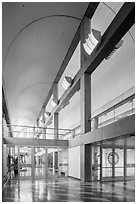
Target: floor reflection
[(67, 189)]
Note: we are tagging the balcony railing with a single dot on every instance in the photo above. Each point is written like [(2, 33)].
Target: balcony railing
[(115, 110), (39, 132)]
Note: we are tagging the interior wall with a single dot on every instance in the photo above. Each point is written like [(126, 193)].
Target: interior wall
[(74, 162), (114, 76), (69, 117)]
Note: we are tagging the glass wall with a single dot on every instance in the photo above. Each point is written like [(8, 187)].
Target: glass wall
[(114, 159), (106, 162), (25, 162), (131, 162)]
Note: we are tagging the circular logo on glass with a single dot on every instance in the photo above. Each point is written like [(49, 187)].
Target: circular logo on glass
[(110, 158)]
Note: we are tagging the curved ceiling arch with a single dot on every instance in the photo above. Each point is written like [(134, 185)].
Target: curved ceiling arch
[(34, 21), (33, 61), (36, 39), (29, 87)]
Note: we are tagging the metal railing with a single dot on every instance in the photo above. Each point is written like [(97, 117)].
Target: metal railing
[(39, 132), (122, 107)]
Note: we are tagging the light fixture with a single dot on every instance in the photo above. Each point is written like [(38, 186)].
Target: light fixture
[(91, 42), (50, 121), (41, 119), (67, 81), (87, 49), (47, 114), (54, 102), (118, 46)]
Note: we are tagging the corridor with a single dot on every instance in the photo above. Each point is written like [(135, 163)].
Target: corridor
[(68, 102), (68, 190)]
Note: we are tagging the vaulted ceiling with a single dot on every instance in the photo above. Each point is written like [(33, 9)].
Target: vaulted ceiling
[(36, 38)]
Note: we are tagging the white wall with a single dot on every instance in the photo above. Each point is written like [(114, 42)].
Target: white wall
[(69, 117), (74, 162), (114, 76)]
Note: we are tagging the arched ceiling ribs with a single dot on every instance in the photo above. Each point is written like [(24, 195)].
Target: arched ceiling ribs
[(34, 21), (29, 87)]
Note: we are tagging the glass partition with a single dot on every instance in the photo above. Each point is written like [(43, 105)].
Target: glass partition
[(106, 162), (114, 159), (25, 162), (131, 162)]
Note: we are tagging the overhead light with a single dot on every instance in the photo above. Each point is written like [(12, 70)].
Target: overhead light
[(54, 103), (87, 49), (47, 114), (50, 121), (91, 42), (67, 81), (41, 119), (95, 36), (118, 46)]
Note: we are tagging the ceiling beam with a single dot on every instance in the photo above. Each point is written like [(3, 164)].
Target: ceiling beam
[(35, 142), (89, 13), (117, 29)]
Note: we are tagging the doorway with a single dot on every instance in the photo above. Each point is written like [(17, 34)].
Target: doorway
[(32, 162), (113, 159)]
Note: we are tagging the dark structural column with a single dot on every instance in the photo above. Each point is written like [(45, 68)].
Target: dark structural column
[(85, 100), (100, 162), (55, 121), (55, 116), (125, 159)]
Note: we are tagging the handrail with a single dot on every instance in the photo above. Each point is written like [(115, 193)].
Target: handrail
[(115, 103), (45, 128)]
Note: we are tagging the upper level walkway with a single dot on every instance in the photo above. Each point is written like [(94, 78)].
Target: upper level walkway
[(117, 118)]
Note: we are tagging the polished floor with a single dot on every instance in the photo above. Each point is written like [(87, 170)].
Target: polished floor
[(67, 190)]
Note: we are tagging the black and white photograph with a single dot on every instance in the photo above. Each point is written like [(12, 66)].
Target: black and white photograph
[(68, 101)]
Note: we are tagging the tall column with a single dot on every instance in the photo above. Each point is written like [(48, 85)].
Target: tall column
[(53, 162), (100, 163), (32, 162), (43, 119), (125, 159), (55, 116), (56, 126), (88, 162), (58, 155), (55, 121), (113, 160), (44, 133), (85, 110), (18, 161), (46, 161)]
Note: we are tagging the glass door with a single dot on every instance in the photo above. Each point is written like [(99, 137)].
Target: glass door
[(107, 157), (10, 161), (95, 168), (130, 163), (119, 163), (40, 162), (25, 162), (63, 161), (53, 162)]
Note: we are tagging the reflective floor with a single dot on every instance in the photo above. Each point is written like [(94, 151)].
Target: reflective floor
[(68, 190)]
